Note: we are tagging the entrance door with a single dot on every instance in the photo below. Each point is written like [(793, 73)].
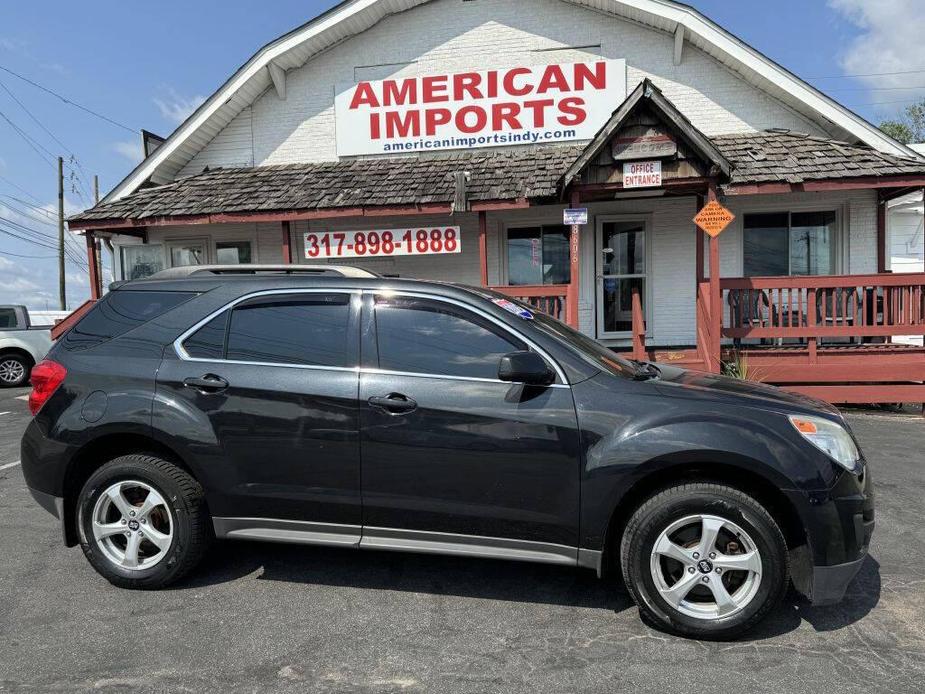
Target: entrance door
[(454, 456), (623, 264)]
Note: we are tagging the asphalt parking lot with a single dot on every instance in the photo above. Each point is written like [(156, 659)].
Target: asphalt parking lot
[(299, 619)]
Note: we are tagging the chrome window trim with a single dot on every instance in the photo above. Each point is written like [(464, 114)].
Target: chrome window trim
[(468, 379), (355, 295), (560, 374), (181, 352)]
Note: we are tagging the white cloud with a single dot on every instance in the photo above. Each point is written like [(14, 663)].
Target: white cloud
[(891, 39), (7, 43), (176, 108), (131, 150)]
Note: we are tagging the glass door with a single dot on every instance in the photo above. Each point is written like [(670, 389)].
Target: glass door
[(623, 266)]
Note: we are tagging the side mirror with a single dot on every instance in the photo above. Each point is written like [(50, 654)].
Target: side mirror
[(525, 367)]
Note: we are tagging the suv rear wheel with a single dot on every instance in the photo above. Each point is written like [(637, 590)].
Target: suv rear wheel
[(704, 560), (143, 522)]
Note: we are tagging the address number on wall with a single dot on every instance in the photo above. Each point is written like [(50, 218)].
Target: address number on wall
[(383, 243)]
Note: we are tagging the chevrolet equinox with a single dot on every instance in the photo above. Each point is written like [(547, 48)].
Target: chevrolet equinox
[(330, 406)]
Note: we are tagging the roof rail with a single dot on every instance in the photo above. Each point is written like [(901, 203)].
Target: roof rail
[(316, 270)]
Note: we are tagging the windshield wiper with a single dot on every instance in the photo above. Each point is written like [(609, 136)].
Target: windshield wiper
[(646, 371)]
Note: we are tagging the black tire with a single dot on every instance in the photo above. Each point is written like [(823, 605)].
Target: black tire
[(663, 509), (24, 366), (191, 523)]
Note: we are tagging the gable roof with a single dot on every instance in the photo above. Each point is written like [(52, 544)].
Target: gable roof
[(353, 17), (647, 93)]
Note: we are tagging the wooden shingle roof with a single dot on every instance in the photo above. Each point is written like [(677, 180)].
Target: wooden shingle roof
[(789, 157), (493, 175), (532, 173)]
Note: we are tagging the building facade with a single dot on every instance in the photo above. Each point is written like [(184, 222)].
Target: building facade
[(481, 123)]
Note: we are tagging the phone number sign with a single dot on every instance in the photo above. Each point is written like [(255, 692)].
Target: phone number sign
[(383, 243)]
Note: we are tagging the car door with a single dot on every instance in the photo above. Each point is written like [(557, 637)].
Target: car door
[(454, 459), (263, 399)]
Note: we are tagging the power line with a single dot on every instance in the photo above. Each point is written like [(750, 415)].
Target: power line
[(34, 145), (68, 101), (38, 208), (32, 257), (919, 87), (28, 214), (867, 74), (73, 156), (19, 188)]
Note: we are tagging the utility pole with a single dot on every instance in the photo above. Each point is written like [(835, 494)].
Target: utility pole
[(61, 290), (99, 243)]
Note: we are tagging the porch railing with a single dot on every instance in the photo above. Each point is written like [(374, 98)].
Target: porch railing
[(550, 299), (857, 307)]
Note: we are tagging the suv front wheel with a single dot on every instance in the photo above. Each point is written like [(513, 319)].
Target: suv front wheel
[(704, 560), (143, 522)]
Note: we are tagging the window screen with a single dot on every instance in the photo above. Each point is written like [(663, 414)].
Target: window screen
[(429, 337), (308, 329), (120, 312)]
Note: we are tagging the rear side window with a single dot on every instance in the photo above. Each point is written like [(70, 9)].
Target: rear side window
[(430, 337), (7, 318), (209, 341), (304, 329), (120, 312)]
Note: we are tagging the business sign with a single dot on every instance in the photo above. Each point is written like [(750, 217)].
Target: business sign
[(575, 215), (714, 218), (643, 142), (516, 106), (383, 243), (642, 174)]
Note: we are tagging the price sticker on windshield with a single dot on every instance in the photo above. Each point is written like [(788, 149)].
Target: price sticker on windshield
[(383, 243)]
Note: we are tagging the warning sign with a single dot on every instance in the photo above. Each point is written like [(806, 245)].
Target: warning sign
[(714, 218)]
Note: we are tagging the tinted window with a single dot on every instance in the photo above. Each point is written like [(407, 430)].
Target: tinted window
[(209, 341), (7, 318), (420, 336), (306, 329), (120, 312)]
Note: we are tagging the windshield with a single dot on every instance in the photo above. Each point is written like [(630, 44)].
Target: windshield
[(592, 350)]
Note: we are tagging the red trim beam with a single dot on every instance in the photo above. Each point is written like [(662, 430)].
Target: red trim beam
[(291, 215)]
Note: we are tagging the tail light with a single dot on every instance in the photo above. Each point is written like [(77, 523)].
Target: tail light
[(46, 377)]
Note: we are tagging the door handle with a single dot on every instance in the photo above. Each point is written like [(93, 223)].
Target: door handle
[(210, 383), (396, 403)]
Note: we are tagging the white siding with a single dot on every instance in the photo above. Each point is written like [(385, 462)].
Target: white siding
[(448, 35), (233, 146)]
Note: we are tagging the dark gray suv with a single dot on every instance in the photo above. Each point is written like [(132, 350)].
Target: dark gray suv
[(331, 406)]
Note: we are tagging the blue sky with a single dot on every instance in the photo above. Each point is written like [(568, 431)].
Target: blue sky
[(146, 65)]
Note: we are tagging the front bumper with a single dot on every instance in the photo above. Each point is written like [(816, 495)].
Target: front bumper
[(839, 524)]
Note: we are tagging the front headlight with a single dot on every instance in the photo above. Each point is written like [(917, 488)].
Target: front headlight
[(829, 437)]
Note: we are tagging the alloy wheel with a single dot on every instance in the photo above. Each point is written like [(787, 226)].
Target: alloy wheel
[(706, 567), (132, 525), (12, 371)]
